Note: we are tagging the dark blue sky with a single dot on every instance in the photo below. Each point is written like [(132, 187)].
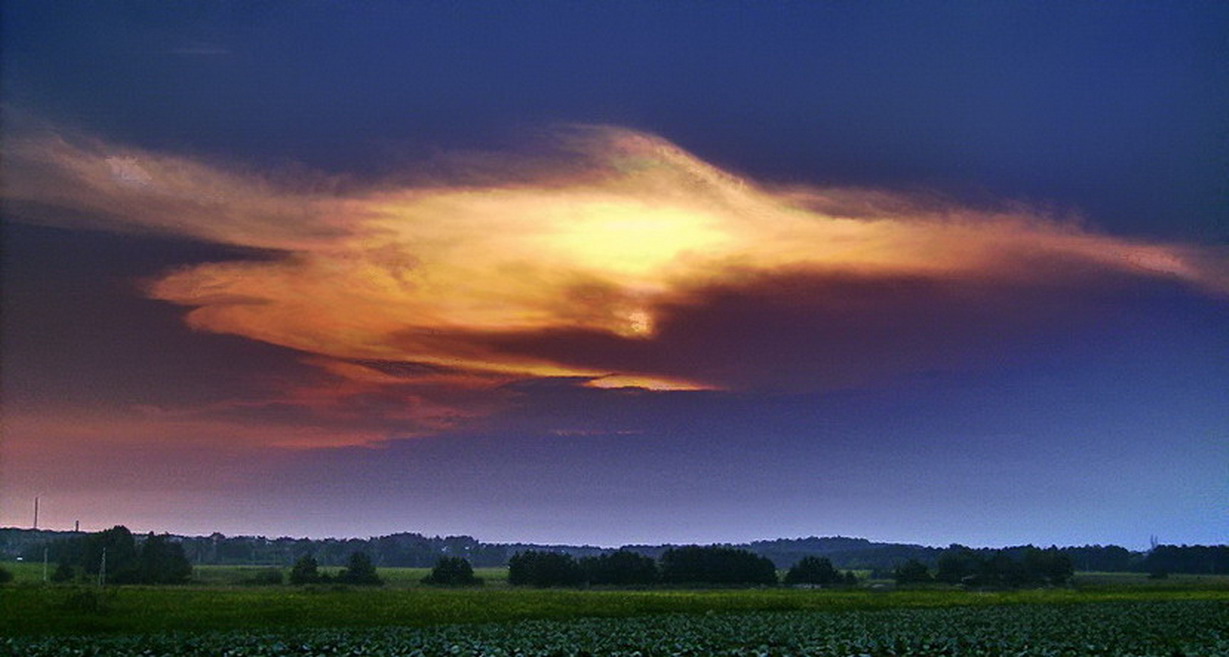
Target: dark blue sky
[(1031, 396)]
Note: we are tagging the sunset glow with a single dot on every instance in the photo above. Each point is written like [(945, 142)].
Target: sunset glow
[(601, 241)]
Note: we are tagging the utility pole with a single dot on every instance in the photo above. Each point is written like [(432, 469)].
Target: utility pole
[(44, 564), (102, 569), (36, 512)]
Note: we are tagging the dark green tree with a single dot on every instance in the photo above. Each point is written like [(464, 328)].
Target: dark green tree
[(160, 561), (814, 570), (305, 571), (1049, 566), (958, 563), (452, 571), (120, 549), (1001, 570), (359, 570), (693, 564), (621, 568), (544, 569), (912, 572)]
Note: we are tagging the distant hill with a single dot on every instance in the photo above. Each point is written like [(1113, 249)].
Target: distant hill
[(412, 549), (417, 550)]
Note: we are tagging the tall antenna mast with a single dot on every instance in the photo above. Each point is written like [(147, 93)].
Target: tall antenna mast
[(35, 512)]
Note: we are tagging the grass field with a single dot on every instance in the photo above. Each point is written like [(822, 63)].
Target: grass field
[(398, 578), (27, 607)]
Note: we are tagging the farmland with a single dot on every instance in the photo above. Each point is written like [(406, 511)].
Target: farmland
[(1123, 628), (218, 612)]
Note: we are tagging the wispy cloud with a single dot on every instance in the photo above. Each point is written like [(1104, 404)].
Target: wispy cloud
[(617, 258)]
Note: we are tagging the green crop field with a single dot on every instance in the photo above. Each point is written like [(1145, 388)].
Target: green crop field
[(1186, 615), (1140, 629)]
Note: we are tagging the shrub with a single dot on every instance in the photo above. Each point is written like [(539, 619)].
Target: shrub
[(5, 576), (452, 571), (305, 571), (359, 570)]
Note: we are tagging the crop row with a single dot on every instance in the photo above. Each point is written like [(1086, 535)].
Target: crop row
[(1139, 629)]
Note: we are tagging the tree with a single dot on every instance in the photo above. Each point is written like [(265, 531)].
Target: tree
[(114, 555), (162, 562), (814, 570), (544, 569), (693, 564), (912, 572), (305, 571), (621, 568), (452, 571), (1001, 570), (956, 563), (1051, 566), (120, 548), (359, 570)]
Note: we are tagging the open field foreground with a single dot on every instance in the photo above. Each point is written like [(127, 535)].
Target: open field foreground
[(1162, 628), (62, 610)]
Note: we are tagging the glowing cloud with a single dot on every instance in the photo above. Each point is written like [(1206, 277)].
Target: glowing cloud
[(614, 244)]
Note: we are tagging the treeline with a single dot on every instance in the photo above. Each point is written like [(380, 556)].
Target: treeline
[(418, 550), (680, 566), (116, 556), (1009, 568), (1161, 560), (396, 550), (359, 570)]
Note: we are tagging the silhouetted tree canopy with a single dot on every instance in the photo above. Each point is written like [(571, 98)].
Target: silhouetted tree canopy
[(545, 569), (452, 571), (1012, 567), (912, 572), (1209, 559), (156, 560), (160, 561), (814, 570), (305, 571), (716, 565), (621, 568), (359, 570), (956, 563)]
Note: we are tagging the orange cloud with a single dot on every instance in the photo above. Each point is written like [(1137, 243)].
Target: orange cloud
[(613, 236)]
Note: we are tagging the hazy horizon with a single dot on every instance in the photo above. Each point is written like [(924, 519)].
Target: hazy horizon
[(608, 546)]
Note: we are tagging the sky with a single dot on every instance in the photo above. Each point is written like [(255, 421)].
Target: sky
[(613, 273)]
